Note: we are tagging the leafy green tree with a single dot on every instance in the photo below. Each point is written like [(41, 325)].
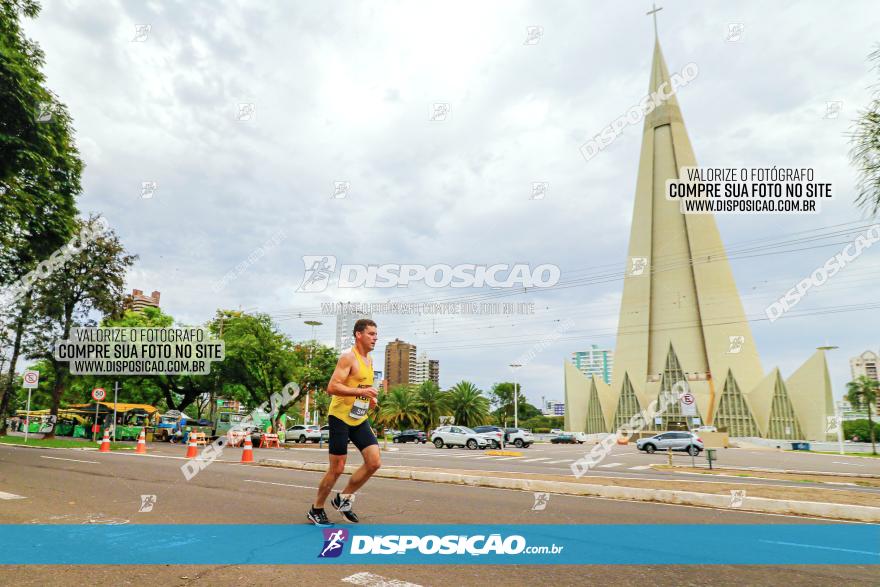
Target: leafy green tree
[(40, 167), (861, 393), (40, 173), (431, 404), (91, 280), (865, 148), (259, 360), (501, 397), (467, 404)]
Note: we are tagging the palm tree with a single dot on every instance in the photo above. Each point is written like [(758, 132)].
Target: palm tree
[(468, 405), (862, 394), (865, 151), (400, 408), (432, 404)]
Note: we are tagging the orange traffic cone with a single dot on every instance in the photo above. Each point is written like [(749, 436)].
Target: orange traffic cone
[(142, 443), (105, 442), (247, 455), (191, 449)]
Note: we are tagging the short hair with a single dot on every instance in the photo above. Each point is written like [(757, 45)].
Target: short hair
[(361, 325)]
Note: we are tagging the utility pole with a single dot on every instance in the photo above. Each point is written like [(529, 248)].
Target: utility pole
[(515, 396)]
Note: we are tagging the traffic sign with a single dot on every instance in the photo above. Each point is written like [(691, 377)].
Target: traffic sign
[(31, 379), (98, 394), (688, 404)]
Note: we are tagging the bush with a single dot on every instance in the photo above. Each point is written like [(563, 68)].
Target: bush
[(860, 428)]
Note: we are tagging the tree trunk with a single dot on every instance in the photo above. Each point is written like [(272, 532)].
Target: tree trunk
[(57, 391), (871, 431), (62, 370), (6, 391)]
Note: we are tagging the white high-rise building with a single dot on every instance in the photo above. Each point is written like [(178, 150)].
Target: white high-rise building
[(596, 361), (344, 327), (420, 373)]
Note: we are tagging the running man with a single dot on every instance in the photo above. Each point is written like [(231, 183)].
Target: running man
[(353, 396)]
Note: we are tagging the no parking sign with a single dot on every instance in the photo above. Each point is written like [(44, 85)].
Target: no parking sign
[(31, 379), (688, 404)]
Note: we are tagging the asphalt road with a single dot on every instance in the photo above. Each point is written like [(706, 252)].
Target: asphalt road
[(74, 486)]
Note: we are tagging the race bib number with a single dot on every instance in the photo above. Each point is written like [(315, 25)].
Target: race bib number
[(359, 408)]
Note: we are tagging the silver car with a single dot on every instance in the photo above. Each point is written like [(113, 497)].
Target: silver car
[(686, 441), (450, 436)]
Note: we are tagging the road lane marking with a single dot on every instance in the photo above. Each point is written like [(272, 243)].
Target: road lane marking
[(483, 458), (842, 463), (274, 483), (538, 459), (640, 468), (609, 465), (371, 580), (509, 458), (4, 495), (822, 547), (63, 459), (560, 461)]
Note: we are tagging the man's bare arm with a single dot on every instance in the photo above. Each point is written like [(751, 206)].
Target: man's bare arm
[(340, 374)]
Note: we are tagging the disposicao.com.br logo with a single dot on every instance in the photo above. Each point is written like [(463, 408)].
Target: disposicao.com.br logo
[(320, 268), (452, 544)]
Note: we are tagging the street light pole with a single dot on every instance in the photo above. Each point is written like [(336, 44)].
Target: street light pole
[(515, 396)]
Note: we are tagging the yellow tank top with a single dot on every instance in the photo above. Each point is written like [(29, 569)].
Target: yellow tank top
[(341, 405)]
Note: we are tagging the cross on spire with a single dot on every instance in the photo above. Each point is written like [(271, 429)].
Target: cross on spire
[(654, 14)]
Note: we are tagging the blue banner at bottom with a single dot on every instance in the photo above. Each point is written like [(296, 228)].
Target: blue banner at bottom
[(621, 544)]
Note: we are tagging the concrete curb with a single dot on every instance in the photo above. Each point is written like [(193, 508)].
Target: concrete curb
[(786, 471), (834, 511)]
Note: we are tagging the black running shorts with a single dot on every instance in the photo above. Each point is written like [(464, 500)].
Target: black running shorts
[(340, 433)]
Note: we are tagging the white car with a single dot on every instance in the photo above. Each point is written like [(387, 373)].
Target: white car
[(556, 431), (450, 436), (518, 437), (305, 433)]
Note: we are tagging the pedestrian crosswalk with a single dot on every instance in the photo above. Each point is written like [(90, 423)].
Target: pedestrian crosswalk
[(538, 461)]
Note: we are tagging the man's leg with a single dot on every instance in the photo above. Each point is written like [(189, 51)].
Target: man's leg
[(372, 462), (336, 468)]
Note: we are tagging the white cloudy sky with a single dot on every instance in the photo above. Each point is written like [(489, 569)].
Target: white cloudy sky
[(342, 91)]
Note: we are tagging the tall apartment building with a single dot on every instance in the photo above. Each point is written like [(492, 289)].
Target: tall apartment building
[(868, 364), (594, 361), (434, 371), (137, 301), (344, 327), (400, 362), (425, 370)]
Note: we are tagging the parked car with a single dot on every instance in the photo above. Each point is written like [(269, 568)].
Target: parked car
[(699, 429), (306, 433), (556, 431), (519, 437), (686, 441), (494, 434), (565, 438), (450, 436), (410, 436)]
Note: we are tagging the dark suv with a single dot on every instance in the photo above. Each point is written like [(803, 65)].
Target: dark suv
[(410, 436)]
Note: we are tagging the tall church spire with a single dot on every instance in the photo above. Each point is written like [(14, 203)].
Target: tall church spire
[(685, 298)]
